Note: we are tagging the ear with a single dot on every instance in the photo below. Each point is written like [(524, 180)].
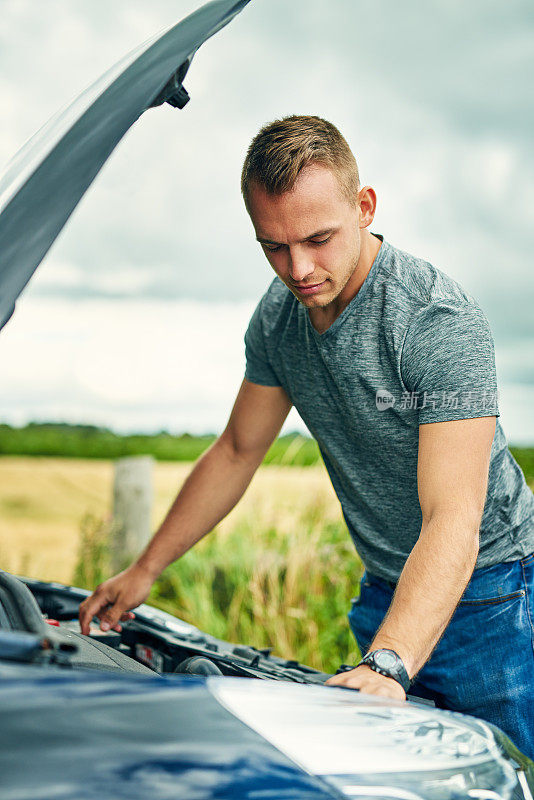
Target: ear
[(367, 205)]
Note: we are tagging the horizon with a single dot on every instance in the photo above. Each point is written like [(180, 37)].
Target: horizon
[(135, 318)]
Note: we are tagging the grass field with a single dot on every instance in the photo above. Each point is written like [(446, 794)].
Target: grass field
[(43, 502), (88, 441), (278, 571)]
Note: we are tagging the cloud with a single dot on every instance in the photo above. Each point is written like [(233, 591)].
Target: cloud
[(434, 99), (152, 365), (405, 83), (156, 362)]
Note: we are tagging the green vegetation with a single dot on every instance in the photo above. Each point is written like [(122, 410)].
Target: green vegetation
[(525, 458), (281, 576), (88, 441), (256, 585)]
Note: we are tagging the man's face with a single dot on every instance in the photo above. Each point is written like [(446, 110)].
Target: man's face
[(310, 235)]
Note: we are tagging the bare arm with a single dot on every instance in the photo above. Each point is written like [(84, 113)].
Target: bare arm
[(453, 464), (216, 483), (220, 476)]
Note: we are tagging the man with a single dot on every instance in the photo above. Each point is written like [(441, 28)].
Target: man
[(391, 365)]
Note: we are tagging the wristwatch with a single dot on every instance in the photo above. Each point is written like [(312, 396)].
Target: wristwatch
[(388, 663)]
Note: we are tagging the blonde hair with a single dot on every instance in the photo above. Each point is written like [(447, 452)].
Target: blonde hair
[(281, 149)]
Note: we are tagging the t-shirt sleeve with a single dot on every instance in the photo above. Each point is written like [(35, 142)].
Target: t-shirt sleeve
[(258, 367), (448, 363)]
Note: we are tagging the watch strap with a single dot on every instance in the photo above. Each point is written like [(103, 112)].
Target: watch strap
[(397, 672)]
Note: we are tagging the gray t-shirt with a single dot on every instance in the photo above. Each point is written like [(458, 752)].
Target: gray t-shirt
[(411, 347)]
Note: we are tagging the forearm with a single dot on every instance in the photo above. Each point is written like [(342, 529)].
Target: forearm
[(216, 483), (430, 586)]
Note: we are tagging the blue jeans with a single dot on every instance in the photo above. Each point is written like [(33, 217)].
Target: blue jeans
[(484, 663)]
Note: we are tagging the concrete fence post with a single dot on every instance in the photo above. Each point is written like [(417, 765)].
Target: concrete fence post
[(133, 496)]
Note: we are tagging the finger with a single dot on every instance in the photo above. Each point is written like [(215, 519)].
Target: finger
[(337, 680), (111, 616), (346, 683), (90, 608), (125, 617)]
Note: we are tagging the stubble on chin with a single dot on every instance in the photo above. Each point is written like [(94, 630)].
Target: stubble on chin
[(315, 302)]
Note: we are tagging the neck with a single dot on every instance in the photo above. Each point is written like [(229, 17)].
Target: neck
[(322, 318)]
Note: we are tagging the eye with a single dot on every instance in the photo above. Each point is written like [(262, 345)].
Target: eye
[(273, 248), (320, 241)]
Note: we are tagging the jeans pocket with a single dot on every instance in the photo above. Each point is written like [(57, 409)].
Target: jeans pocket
[(488, 601), (494, 585), (527, 568)]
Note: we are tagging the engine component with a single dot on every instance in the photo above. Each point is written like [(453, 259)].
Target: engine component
[(197, 665)]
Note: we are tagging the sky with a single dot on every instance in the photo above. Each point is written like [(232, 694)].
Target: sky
[(135, 319)]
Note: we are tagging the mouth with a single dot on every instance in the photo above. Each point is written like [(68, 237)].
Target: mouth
[(310, 288)]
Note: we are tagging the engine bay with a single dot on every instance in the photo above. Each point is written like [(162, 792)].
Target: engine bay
[(152, 642)]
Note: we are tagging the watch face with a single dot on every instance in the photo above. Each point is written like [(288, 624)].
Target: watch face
[(385, 660)]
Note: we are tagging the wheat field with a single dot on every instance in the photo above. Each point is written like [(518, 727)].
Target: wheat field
[(43, 502), (278, 572)]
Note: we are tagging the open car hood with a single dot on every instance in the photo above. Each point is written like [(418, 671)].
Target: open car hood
[(42, 185)]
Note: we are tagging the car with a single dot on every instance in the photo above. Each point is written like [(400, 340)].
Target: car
[(163, 710), (160, 709)]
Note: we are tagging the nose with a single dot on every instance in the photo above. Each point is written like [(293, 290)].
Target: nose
[(300, 265)]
